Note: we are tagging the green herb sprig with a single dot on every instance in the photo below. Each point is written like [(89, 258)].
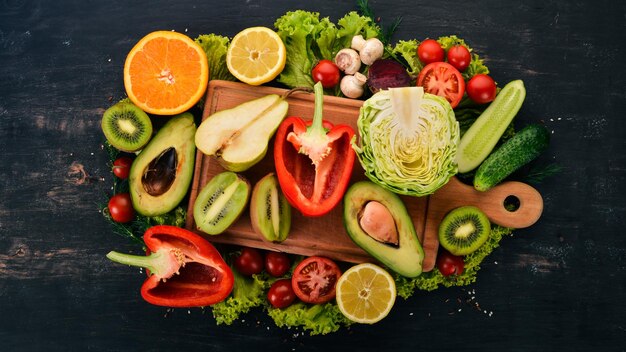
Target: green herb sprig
[(388, 31)]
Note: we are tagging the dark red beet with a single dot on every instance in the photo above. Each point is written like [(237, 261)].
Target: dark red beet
[(387, 73)]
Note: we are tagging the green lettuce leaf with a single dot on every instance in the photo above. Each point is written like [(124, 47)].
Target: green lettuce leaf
[(298, 30), (317, 319), (248, 293), (326, 39), (176, 217), (353, 24), (215, 46), (407, 51), (432, 280)]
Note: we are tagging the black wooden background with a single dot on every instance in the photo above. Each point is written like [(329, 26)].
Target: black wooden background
[(554, 287)]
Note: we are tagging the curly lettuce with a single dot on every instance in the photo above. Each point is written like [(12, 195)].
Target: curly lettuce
[(215, 46), (407, 51), (248, 293), (308, 39), (317, 318), (408, 141)]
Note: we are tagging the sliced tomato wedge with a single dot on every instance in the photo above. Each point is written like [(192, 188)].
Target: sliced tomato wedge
[(442, 79), (314, 280)]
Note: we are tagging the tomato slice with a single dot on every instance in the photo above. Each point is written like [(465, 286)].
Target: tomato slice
[(442, 79), (314, 280)]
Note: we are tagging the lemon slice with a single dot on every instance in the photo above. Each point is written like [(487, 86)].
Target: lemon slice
[(256, 55), (366, 293)]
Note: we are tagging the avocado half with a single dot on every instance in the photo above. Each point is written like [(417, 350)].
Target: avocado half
[(161, 174), (406, 257)]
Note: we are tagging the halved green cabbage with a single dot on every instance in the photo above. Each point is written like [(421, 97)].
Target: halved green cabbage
[(408, 140)]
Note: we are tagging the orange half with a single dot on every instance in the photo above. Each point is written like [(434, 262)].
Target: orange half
[(166, 73)]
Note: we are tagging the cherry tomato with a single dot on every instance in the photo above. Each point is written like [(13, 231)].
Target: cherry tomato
[(314, 280), (481, 89), (249, 262), (326, 72), (277, 264), (449, 264), (430, 51), (121, 208), (442, 79), (281, 294), (459, 57), (121, 167)]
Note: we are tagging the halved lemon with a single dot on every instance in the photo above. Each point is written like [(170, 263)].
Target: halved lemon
[(256, 55), (366, 293), (166, 73)]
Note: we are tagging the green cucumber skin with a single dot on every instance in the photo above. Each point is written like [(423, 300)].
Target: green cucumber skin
[(522, 148), (480, 139)]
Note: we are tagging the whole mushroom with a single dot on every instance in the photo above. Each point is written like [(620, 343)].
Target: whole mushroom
[(348, 61), (352, 85), (369, 50)]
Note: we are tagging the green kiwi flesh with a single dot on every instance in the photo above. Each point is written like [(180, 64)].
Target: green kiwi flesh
[(464, 230), (126, 127), (220, 203), (270, 212)]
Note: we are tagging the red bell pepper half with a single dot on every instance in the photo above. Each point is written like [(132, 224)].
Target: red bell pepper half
[(313, 160), (185, 270)]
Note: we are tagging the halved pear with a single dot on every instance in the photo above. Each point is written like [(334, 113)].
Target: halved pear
[(239, 137)]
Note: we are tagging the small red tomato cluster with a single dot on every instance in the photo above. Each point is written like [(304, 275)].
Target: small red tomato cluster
[(312, 281), (445, 79), (120, 205)]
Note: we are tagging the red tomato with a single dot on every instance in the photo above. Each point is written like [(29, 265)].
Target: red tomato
[(121, 208), (314, 280), (121, 167), (459, 57), (449, 264), (430, 51), (442, 79), (249, 262), (481, 89), (326, 72), (281, 294), (277, 264)]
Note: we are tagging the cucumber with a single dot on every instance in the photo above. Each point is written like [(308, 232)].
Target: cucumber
[(518, 151), (480, 139)]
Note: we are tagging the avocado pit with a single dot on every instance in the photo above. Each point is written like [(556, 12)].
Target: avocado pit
[(160, 173), (378, 223)]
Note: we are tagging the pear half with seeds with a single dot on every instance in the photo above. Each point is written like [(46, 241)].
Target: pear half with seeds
[(239, 137)]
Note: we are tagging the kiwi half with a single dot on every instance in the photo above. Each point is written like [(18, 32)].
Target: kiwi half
[(464, 230), (221, 202), (126, 127), (270, 212)]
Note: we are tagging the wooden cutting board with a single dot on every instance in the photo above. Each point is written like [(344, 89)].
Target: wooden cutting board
[(326, 235)]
